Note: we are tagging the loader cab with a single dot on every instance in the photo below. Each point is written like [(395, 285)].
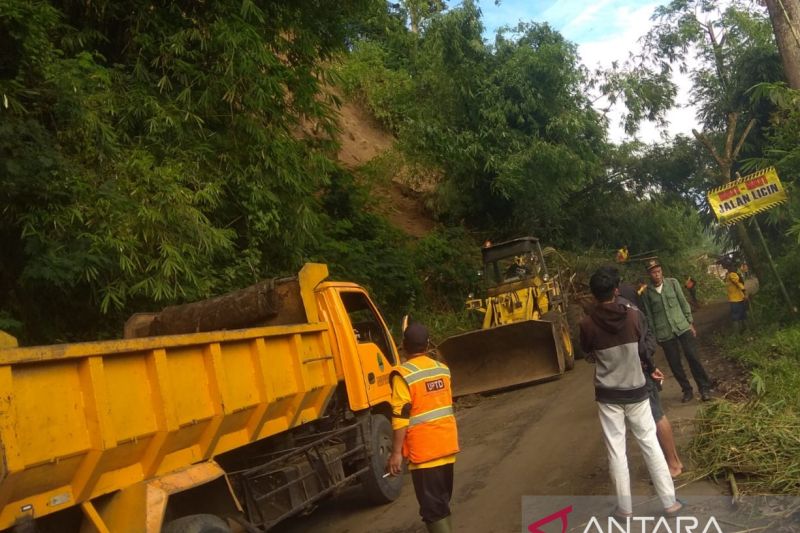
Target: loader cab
[(518, 261)]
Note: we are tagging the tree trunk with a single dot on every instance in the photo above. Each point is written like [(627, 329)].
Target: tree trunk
[(785, 16), (267, 303), (749, 249), (725, 161), (741, 231)]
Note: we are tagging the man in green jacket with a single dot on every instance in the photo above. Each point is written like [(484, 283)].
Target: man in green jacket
[(670, 318)]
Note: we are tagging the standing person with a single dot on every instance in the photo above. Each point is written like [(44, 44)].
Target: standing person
[(737, 296), (613, 333), (627, 295), (425, 430), (622, 255), (744, 270), (669, 317), (691, 287)]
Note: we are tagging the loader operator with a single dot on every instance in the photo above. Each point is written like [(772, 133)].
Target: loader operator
[(425, 430), (518, 269)]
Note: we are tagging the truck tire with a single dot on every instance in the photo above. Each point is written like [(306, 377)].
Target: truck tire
[(197, 523), (378, 489), (562, 338)]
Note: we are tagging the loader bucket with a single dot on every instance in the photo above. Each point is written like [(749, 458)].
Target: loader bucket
[(501, 357)]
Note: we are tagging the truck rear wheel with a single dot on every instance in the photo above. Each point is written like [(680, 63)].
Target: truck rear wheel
[(562, 338), (379, 489), (197, 523)]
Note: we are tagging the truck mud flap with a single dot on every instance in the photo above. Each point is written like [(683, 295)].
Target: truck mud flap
[(502, 357)]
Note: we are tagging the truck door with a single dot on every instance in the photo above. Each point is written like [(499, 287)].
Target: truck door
[(376, 351)]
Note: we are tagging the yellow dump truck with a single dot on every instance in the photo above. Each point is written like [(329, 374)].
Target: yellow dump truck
[(183, 428), (524, 335)]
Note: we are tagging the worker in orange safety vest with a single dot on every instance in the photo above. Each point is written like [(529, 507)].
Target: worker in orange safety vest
[(425, 430)]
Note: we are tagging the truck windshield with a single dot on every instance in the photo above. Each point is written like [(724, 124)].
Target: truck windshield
[(366, 325)]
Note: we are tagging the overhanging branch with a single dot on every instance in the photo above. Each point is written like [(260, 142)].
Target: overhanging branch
[(733, 119), (742, 139), (705, 141)]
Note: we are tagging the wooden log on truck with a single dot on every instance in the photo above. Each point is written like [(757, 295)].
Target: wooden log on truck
[(270, 302)]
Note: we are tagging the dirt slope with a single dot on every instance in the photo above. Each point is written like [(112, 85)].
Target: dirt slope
[(362, 139), (537, 440)]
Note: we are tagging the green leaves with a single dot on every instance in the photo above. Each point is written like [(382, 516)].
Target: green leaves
[(139, 234), (508, 125), (155, 153)]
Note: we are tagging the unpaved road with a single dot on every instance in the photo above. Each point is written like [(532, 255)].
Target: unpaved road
[(537, 440)]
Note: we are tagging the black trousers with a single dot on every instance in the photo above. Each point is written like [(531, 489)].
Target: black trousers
[(672, 351), (434, 487)]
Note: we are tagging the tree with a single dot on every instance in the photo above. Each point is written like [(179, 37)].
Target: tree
[(419, 10), (158, 152), (733, 50), (509, 132), (507, 125), (785, 16)]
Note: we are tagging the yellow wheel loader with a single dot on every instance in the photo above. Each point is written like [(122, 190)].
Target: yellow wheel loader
[(525, 337)]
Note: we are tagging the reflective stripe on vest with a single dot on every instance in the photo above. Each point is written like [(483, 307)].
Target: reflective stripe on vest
[(425, 374), (411, 368), (431, 415)]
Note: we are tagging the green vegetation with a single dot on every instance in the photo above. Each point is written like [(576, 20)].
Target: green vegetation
[(510, 127), (154, 154), (757, 440)]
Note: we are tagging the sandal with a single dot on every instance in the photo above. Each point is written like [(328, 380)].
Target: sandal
[(620, 514), (676, 512)]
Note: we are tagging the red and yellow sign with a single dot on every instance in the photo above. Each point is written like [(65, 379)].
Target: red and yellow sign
[(747, 196)]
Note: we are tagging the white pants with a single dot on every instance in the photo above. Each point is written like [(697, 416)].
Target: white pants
[(613, 418)]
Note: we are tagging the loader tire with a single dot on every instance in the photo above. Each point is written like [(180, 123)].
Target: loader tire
[(575, 314), (378, 489), (197, 523), (563, 339)]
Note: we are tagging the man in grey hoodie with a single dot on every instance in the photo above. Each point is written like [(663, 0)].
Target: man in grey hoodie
[(615, 337)]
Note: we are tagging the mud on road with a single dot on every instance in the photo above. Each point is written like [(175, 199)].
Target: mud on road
[(537, 440)]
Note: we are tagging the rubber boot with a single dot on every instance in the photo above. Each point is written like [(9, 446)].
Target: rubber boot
[(440, 526)]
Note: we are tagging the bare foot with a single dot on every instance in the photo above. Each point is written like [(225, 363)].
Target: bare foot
[(674, 509)]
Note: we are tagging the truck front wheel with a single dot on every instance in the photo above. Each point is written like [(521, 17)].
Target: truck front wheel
[(379, 489), (197, 523)]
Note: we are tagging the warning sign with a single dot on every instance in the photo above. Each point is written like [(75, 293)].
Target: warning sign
[(747, 196)]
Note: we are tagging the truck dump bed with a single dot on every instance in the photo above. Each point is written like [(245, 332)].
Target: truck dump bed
[(81, 420)]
